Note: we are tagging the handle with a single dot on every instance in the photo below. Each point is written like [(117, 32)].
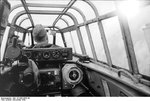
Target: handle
[(134, 79)]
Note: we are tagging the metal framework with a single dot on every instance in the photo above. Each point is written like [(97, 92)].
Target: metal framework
[(64, 11), (27, 11), (124, 27), (23, 20), (85, 23), (128, 45), (55, 13), (70, 33), (105, 45)]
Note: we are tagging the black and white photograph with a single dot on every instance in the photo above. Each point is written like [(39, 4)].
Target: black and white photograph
[(74, 49)]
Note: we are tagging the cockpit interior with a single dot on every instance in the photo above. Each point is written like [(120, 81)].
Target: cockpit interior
[(94, 48)]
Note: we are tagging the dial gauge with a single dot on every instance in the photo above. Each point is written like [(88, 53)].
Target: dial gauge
[(56, 54), (46, 55)]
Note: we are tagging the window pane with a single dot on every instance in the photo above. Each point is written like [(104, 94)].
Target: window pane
[(45, 8), (27, 41), (59, 40), (104, 6), (68, 19), (46, 20), (48, 1), (61, 24), (69, 40), (115, 42), (21, 18), (12, 14), (50, 37), (77, 15), (25, 24), (84, 7), (96, 37), (76, 42), (86, 42), (140, 39)]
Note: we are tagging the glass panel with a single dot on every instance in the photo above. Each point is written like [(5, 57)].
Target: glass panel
[(69, 40), (68, 19), (50, 37), (46, 20), (76, 42), (86, 41), (20, 19), (27, 41), (96, 37), (61, 24), (49, 1), (77, 15), (83, 6), (14, 12), (25, 24), (140, 38), (45, 8), (59, 40), (104, 7), (14, 2), (115, 42)]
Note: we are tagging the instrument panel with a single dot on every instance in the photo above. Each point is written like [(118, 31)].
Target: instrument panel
[(48, 54), (50, 80)]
